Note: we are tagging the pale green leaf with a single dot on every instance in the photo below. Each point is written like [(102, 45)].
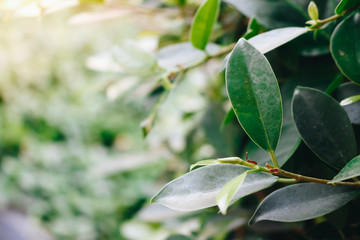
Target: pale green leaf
[(351, 170), (203, 23), (350, 100), (226, 194)]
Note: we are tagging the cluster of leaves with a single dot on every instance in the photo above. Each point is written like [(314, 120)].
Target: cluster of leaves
[(287, 121), (287, 104)]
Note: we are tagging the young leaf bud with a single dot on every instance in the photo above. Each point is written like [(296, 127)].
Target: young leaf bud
[(313, 11)]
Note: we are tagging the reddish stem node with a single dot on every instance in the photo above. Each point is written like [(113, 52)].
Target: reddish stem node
[(248, 160)]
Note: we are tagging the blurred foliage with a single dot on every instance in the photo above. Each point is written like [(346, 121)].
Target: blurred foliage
[(78, 78)]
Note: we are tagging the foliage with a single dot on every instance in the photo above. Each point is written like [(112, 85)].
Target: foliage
[(221, 79)]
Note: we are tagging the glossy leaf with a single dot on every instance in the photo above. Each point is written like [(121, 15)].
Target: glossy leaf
[(198, 189), (345, 5), (345, 47), (268, 41), (352, 169), (289, 142), (254, 94), (302, 202), (324, 126), (272, 14), (226, 194), (203, 23), (353, 110), (350, 100), (182, 55)]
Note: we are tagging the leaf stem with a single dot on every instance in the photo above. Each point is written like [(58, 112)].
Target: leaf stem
[(300, 178), (287, 180), (273, 158), (317, 24), (289, 176)]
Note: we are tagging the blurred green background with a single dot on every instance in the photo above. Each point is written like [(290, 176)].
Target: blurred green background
[(75, 87)]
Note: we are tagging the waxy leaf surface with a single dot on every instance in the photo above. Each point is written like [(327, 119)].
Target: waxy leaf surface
[(352, 169), (198, 189), (267, 41), (203, 23), (254, 94), (226, 194), (345, 5), (345, 47), (272, 14), (324, 126), (289, 142), (302, 201)]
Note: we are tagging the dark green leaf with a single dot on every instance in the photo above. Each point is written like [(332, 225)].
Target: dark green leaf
[(345, 5), (198, 189), (254, 95), (302, 202), (230, 115), (351, 170), (253, 29), (353, 110), (324, 126), (345, 47), (289, 142), (203, 23), (335, 84)]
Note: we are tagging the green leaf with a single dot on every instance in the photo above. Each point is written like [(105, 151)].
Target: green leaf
[(272, 14), (204, 163), (345, 47), (225, 196), (253, 29), (182, 55), (289, 142), (345, 5), (203, 23), (198, 189), (352, 169), (350, 100), (353, 110), (302, 201), (268, 41), (324, 126), (254, 94), (313, 11), (230, 115)]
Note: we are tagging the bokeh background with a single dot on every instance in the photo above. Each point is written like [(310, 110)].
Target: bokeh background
[(77, 81)]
